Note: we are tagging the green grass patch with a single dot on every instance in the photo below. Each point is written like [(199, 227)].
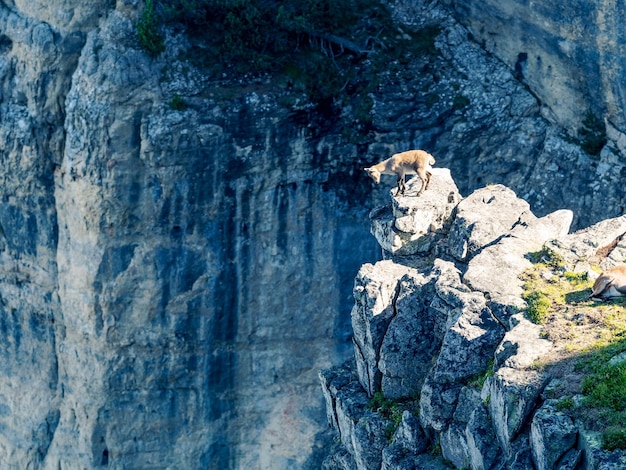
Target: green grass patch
[(392, 410), (539, 304), (478, 381), (593, 333), (607, 387), (604, 405)]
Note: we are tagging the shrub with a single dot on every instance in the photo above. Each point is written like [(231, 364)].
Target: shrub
[(614, 438), (177, 103), (592, 134), (148, 30), (538, 307)]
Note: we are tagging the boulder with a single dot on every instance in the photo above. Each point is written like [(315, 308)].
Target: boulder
[(408, 440), (552, 435), (437, 404), (369, 440), (495, 271), (454, 445), (411, 225), (512, 396), (522, 346), (482, 218), (483, 455), (604, 241), (412, 339), (376, 289), (595, 457)]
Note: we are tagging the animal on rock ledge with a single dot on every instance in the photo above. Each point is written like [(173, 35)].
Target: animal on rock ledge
[(411, 162)]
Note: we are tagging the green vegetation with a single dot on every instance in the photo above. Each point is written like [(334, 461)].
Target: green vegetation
[(334, 51), (592, 134), (148, 30), (538, 307), (604, 388), (589, 334), (478, 381), (607, 387), (392, 410), (177, 103), (614, 438), (547, 258), (565, 404), (541, 292)]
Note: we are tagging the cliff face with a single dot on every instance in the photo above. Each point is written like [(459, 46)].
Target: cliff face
[(448, 371), (153, 297), (172, 280), (569, 53)]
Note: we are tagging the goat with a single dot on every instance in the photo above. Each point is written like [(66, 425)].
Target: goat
[(611, 283), (401, 164)]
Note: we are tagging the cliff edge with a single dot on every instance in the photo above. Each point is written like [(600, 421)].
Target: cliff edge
[(449, 370)]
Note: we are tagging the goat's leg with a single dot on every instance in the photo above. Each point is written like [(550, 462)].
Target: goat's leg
[(401, 183), (425, 177)]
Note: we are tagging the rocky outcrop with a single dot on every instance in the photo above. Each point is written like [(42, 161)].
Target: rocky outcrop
[(441, 335), (172, 279)]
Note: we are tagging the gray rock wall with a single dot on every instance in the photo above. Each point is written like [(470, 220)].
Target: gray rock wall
[(569, 53), (170, 282), (173, 280)]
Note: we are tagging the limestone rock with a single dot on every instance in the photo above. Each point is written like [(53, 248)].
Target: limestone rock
[(454, 440), (552, 434), (547, 32), (346, 402), (482, 453), (471, 336), (408, 442), (604, 241), (522, 346), (409, 435), (482, 218), (411, 224), (376, 291), (594, 456), (495, 271), (512, 397), (339, 460), (437, 404), (412, 339), (369, 441), (454, 444)]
